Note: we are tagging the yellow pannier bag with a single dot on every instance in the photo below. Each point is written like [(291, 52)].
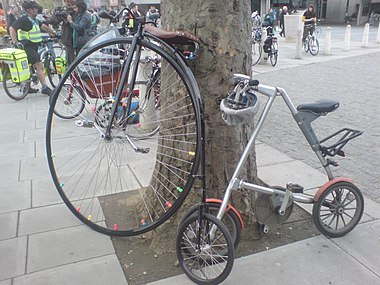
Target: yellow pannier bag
[(17, 62), (60, 64)]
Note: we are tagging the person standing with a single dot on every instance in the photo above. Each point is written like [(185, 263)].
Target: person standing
[(81, 25), (12, 16), (27, 30), (282, 20), (309, 18)]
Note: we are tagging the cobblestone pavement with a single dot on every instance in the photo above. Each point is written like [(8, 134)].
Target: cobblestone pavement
[(354, 82)]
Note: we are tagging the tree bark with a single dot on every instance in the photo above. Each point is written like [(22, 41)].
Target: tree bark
[(224, 28)]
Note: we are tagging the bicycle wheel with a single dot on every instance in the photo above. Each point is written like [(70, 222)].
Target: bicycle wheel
[(338, 210), (274, 53), (230, 220), (70, 102), (257, 50), (51, 71), (114, 183), (15, 91), (148, 109), (204, 249), (313, 45)]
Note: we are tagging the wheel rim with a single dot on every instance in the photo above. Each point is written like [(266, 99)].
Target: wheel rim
[(16, 91), (209, 261), (340, 210), (105, 182)]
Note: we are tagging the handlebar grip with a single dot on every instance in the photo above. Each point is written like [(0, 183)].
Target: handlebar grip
[(253, 82)]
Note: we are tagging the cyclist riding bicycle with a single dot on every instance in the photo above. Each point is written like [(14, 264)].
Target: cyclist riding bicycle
[(27, 30), (309, 18)]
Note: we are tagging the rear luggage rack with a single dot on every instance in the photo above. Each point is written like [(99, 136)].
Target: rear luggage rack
[(336, 148)]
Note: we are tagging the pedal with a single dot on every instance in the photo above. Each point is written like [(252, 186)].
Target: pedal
[(295, 188)]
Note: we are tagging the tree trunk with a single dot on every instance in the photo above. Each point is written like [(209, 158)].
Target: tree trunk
[(224, 28)]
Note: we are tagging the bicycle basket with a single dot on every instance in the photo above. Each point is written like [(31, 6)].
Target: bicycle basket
[(241, 111)]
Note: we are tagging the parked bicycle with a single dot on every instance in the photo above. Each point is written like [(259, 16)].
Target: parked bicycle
[(311, 43), (270, 46), (338, 205), (122, 186)]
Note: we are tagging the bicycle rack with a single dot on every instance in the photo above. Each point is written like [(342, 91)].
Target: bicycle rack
[(336, 148)]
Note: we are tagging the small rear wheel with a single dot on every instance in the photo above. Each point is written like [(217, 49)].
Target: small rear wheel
[(338, 210), (15, 91), (204, 249)]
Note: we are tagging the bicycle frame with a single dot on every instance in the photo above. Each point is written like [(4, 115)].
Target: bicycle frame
[(303, 120)]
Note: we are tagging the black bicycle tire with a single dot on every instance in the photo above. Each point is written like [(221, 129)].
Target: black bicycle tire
[(196, 160), (260, 50), (235, 236), (229, 261), (311, 50), (325, 229), (7, 91), (274, 54), (49, 59)]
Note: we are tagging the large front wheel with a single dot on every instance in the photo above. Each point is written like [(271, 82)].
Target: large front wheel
[(338, 210), (115, 183)]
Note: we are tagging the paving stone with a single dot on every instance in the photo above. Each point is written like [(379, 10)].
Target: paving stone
[(293, 171), (96, 271), (9, 171), (266, 155), (8, 225), (55, 248), (46, 218), (34, 135), (369, 236), (15, 196), (37, 114), (12, 152), (44, 192), (6, 282), (34, 168), (15, 136), (13, 256)]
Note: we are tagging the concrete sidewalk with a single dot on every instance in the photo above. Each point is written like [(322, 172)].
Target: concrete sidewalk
[(41, 242)]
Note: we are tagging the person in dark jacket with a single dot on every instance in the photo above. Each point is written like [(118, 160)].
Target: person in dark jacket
[(66, 30), (12, 16), (282, 20), (81, 25)]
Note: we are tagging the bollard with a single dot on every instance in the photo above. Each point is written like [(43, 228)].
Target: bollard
[(365, 35), (378, 35), (264, 57), (327, 42), (298, 44), (347, 38)]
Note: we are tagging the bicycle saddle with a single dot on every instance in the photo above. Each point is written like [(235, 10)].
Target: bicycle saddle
[(176, 37), (319, 107)]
